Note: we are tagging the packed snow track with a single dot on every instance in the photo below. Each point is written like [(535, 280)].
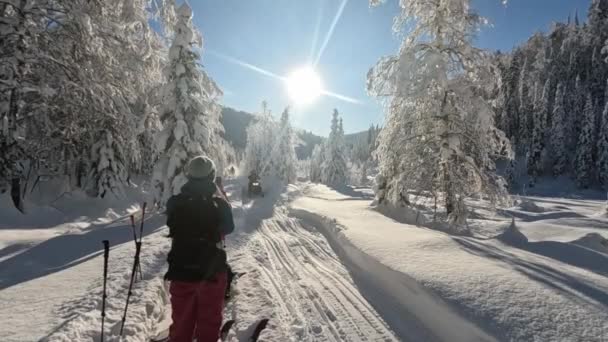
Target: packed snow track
[(316, 299)]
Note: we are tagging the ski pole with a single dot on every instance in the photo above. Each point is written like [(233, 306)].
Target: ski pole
[(141, 236), (141, 227), (135, 242), (106, 254), (133, 272)]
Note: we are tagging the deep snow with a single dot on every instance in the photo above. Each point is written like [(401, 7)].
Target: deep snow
[(542, 290), (323, 265)]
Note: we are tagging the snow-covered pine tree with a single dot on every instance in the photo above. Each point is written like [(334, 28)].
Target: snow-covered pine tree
[(526, 109), (559, 133), (108, 171), (261, 142), (510, 173), (577, 100), (584, 152), (284, 153), (334, 167), (439, 134), (21, 25), (537, 146), (602, 146), (317, 159), (190, 112)]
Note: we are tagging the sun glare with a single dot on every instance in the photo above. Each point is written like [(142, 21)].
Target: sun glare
[(304, 85)]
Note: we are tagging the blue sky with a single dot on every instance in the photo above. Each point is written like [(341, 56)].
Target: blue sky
[(281, 35)]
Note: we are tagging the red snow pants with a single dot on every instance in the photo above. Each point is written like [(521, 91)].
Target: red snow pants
[(197, 309)]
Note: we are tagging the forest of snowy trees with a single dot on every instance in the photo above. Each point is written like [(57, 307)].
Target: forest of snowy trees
[(93, 92), (453, 111), (270, 146), (552, 101)]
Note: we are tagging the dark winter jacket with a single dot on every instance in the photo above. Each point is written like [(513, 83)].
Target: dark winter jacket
[(206, 187), (197, 221)]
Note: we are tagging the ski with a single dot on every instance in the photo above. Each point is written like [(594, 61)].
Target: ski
[(258, 329), (226, 329), (164, 335)]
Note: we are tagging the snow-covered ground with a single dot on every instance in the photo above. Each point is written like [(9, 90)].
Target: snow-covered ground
[(466, 288), (323, 265)]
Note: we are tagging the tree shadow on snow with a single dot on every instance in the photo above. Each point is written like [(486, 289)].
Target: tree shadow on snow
[(535, 217), (352, 192), (571, 254), (67, 250)]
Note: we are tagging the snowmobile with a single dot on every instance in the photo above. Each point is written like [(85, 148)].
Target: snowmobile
[(255, 189)]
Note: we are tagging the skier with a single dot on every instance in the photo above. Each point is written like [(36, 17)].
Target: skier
[(197, 220)]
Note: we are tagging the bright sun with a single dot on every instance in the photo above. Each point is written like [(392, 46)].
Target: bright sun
[(304, 85)]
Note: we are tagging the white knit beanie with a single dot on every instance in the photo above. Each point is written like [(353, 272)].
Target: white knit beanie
[(201, 167)]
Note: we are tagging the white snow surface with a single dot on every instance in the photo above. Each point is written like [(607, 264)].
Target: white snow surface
[(547, 290), (323, 265)]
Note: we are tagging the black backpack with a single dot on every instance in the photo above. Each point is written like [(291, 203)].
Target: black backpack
[(194, 227)]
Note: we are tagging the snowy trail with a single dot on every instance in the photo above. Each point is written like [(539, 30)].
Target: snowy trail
[(294, 278), (312, 287)]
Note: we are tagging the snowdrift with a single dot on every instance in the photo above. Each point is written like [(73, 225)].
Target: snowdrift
[(414, 312), (529, 206), (465, 288), (512, 235), (593, 241)]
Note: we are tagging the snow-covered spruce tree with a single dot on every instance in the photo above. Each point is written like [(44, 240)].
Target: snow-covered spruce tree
[(439, 134), (284, 155), (584, 151), (21, 25), (108, 171), (537, 145), (602, 146), (559, 133), (577, 100), (190, 112), (334, 167), (510, 173), (317, 159), (526, 109), (261, 141)]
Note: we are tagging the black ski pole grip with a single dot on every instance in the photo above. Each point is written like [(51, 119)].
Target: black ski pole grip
[(106, 248)]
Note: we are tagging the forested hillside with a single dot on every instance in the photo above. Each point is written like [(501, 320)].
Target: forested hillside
[(235, 132), (552, 101)]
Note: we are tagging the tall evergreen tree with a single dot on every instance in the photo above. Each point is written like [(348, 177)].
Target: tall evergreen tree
[(261, 143), (108, 172), (577, 99), (526, 108), (190, 114), (535, 155), (284, 153), (559, 133), (584, 152), (602, 146), (334, 168), (317, 160)]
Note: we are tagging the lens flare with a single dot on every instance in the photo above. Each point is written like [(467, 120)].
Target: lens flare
[(304, 86)]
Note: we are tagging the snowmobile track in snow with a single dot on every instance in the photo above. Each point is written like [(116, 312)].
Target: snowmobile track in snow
[(314, 294)]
